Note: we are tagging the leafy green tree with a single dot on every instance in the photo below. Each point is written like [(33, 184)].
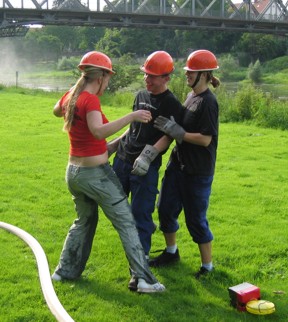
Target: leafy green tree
[(89, 36), (139, 41), (50, 47), (217, 42), (30, 46), (68, 36), (38, 46), (262, 47), (224, 42), (136, 41), (109, 43)]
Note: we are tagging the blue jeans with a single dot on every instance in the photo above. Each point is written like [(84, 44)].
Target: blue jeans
[(180, 191), (90, 187), (143, 191)]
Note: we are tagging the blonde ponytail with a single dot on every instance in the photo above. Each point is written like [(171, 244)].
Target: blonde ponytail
[(89, 74), (70, 104)]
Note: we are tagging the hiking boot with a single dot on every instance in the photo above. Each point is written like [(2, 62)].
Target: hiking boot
[(202, 271), (165, 259), (132, 285), (144, 287)]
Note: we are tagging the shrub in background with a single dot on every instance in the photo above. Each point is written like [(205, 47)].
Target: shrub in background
[(228, 65), (274, 115), (248, 100), (225, 101), (70, 63), (251, 104), (125, 75), (244, 59), (119, 99), (178, 86), (255, 72), (275, 65)]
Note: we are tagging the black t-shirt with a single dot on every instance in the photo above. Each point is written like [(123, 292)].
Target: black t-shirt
[(140, 134), (200, 116)]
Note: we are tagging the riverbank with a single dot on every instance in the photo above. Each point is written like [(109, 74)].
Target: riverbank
[(61, 81)]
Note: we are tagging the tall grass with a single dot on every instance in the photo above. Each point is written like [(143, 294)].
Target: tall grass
[(247, 214), (248, 104)]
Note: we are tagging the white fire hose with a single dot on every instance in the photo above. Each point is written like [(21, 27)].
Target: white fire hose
[(44, 275)]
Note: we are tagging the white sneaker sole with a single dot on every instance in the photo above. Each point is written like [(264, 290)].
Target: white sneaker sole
[(56, 277), (150, 290), (144, 287)]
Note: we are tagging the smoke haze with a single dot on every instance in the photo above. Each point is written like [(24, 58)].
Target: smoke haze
[(10, 62)]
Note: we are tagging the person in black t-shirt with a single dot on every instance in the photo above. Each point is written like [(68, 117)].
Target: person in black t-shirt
[(138, 157), (189, 174)]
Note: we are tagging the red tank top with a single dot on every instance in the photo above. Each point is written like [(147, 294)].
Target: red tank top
[(82, 142)]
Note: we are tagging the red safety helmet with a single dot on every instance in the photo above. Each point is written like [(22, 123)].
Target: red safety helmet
[(201, 60), (158, 63), (96, 59)]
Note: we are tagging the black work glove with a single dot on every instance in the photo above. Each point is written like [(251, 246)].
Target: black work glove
[(170, 127)]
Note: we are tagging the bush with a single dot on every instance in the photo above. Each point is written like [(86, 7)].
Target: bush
[(242, 105), (125, 75), (255, 72), (228, 65), (225, 99), (248, 101), (178, 86), (244, 59), (251, 104), (67, 63), (276, 65), (274, 115)]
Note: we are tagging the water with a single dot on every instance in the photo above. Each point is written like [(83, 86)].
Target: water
[(62, 85), (277, 90), (45, 83)]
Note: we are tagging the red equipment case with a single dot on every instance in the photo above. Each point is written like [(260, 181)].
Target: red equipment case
[(242, 293)]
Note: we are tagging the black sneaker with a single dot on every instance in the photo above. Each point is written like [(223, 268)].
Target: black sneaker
[(202, 271), (133, 284), (165, 259)]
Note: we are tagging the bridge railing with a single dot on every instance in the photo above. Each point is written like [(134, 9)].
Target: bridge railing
[(178, 14), (244, 10)]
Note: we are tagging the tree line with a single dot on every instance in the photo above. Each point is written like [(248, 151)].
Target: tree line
[(50, 43)]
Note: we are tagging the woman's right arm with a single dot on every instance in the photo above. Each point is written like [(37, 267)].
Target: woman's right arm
[(102, 131)]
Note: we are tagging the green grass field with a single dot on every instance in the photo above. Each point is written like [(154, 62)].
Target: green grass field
[(248, 216)]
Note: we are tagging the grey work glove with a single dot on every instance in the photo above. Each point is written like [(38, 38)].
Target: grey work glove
[(142, 163), (112, 146), (170, 127)]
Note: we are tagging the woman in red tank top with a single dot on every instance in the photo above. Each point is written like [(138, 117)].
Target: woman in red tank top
[(90, 178)]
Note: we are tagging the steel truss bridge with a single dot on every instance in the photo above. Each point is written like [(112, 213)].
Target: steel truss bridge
[(16, 15)]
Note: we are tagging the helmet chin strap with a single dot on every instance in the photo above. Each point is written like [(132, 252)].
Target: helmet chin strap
[(197, 79)]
